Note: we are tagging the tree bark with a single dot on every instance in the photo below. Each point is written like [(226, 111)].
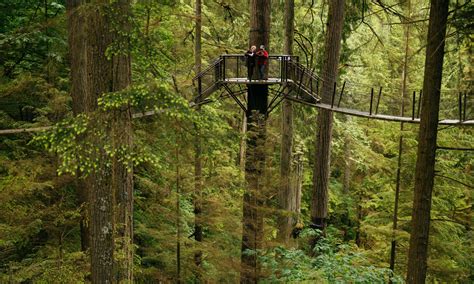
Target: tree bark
[(425, 163), (254, 196), (81, 102), (243, 142), (260, 23), (319, 201), (122, 175), (109, 188), (287, 193), (297, 186), (257, 98), (101, 197)]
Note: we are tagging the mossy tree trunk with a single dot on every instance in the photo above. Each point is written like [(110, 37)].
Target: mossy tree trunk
[(254, 197), (109, 188)]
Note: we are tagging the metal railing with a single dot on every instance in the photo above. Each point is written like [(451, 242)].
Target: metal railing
[(348, 97), (305, 82), (235, 66)]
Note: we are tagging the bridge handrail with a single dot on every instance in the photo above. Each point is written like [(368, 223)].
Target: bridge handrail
[(269, 56), (214, 63)]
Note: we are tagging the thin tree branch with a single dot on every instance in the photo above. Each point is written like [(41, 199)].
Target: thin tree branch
[(454, 148), (455, 180)]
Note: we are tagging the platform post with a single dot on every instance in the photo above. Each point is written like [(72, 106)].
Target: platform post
[(464, 107), (342, 93), (378, 101), (413, 106), (419, 104), (238, 67), (223, 68), (371, 99), (317, 87), (334, 95), (460, 106), (199, 87)]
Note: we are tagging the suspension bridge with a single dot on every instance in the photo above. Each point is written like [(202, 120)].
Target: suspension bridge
[(288, 79)]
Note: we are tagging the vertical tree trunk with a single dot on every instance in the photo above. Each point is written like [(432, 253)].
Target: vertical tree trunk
[(319, 201), (257, 98), (287, 194), (109, 187), (297, 184), (358, 239), (178, 219), (122, 175), (101, 197), (425, 163), (346, 184), (81, 103), (243, 144), (198, 150), (393, 249)]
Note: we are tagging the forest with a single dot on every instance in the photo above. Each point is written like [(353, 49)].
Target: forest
[(137, 145)]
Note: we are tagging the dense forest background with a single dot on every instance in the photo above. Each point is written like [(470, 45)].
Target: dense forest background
[(40, 212)]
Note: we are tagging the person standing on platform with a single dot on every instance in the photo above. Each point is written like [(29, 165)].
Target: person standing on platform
[(251, 56), (262, 58)]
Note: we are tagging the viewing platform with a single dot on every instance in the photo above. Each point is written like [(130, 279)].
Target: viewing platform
[(286, 78)]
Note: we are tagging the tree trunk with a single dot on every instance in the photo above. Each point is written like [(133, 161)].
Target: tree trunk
[(257, 98), (393, 249), (243, 144), (319, 201), (80, 101), (122, 175), (286, 195), (198, 151), (109, 188), (297, 185), (252, 231), (346, 184), (425, 163)]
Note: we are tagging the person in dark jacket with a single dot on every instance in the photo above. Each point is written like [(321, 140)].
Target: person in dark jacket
[(251, 60), (262, 59)]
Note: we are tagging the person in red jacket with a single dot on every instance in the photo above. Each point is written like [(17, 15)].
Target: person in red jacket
[(262, 59)]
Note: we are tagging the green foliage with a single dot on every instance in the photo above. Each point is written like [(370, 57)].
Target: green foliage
[(39, 212), (334, 262)]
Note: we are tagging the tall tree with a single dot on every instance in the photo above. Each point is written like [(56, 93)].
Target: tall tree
[(287, 191), (110, 187), (257, 98), (329, 72), (122, 137), (80, 101), (198, 146), (425, 163), (404, 81)]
